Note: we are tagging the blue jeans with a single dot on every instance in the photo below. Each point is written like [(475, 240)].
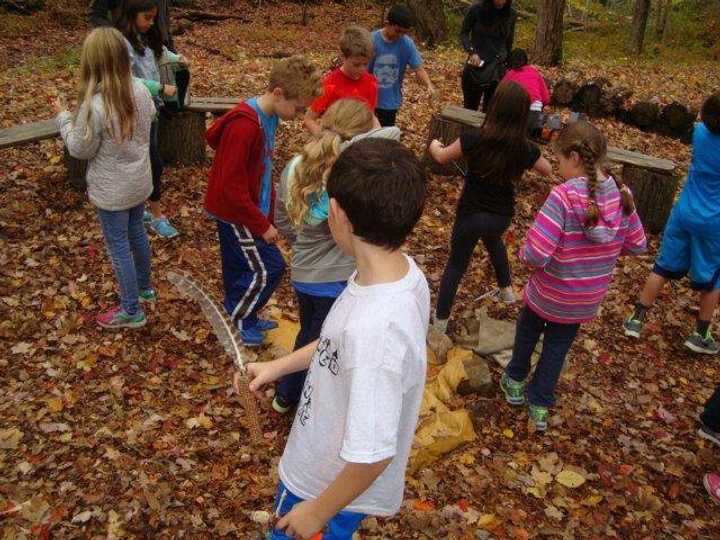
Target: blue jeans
[(251, 270), (558, 338), (341, 527), (313, 311), (129, 249)]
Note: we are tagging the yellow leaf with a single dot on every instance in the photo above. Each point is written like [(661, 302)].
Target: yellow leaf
[(592, 500), (485, 520), (570, 479), (55, 404), (508, 433), (66, 437), (466, 459)]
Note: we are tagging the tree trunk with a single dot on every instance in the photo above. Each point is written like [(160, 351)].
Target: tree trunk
[(549, 33), (664, 7), (445, 131), (430, 20), (76, 169), (181, 138), (588, 98), (676, 120), (654, 194), (644, 114), (639, 22), (563, 92)]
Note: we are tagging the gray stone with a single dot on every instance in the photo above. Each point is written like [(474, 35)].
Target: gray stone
[(439, 344), (493, 335), (479, 379)]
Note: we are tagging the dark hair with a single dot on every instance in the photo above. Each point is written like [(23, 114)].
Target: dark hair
[(401, 16), (518, 58), (490, 14), (503, 136), (126, 25), (381, 186), (710, 113), (590, 144)]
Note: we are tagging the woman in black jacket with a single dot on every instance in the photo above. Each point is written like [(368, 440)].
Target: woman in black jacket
[(487, 35)]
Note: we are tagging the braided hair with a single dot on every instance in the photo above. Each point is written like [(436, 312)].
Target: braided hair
[(591, 146)]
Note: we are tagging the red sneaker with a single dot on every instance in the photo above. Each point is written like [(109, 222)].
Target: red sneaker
[(712, 485)]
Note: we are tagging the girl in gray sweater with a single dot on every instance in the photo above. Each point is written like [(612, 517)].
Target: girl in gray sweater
[(111, 129), (319, 270)]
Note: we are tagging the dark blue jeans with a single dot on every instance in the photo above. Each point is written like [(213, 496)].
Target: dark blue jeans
[(711, 415), (129, 249), (251, 270), (313, 311), (558, 338)]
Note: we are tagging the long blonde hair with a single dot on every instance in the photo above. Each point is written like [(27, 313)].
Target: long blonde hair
[(343, 120), (105, 68)]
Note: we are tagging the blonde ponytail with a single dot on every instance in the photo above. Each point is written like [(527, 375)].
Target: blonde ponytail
[(343, 120)]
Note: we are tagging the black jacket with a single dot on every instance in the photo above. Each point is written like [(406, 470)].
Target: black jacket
[(489, 32)]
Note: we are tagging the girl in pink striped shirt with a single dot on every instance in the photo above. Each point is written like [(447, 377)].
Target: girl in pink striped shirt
[(585, 224)]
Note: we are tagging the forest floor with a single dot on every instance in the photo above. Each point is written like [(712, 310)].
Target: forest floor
[(137, 434)]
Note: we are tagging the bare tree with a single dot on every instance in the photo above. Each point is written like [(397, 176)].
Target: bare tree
[(661, 19), (430, 20), (639, 23), (549, 33)]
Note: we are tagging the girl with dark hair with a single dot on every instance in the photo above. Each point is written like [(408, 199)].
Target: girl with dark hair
[(532, 81), (107, 12), (487, 35), (498, 154), (146, 48)]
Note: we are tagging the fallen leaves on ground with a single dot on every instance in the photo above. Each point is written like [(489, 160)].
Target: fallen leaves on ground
[(138, 434)]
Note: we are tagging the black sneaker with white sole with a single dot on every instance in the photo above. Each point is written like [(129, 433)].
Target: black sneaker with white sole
[(707, 433), (702, 345)]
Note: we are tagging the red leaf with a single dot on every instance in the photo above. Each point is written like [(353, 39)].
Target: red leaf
[(423, 506)]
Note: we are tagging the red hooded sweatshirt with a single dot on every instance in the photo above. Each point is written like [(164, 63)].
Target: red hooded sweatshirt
[(233, 193)]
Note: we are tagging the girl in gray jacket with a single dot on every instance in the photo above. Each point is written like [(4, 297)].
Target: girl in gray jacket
[(111, 129), (319, 269)]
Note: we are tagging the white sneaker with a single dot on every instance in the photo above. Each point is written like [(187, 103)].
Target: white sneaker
[(506, 295)]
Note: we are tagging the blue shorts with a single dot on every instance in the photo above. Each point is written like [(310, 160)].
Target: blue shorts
[(687, 252), (340, 527)]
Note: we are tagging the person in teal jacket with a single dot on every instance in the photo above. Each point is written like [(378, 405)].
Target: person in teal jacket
[(137, 23)]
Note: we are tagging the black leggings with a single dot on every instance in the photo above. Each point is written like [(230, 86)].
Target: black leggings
[(472, 93), (156, 163), (467, 231)]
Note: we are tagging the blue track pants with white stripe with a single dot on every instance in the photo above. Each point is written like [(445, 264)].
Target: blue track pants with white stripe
[(251, 270)]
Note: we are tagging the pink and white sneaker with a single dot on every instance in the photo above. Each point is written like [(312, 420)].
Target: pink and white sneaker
[(712, 485), (118, 318)]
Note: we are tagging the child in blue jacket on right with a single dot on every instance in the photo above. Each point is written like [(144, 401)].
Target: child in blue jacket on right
[(691, 240)]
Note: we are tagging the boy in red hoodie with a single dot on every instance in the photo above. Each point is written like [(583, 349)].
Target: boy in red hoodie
[(241, 195)]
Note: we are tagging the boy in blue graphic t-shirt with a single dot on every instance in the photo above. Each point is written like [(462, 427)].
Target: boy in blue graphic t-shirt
[(394, 51)]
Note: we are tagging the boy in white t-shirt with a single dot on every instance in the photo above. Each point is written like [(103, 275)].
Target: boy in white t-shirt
[(350, 441)]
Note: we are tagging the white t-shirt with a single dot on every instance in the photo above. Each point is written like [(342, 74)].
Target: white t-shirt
[(363, 391)]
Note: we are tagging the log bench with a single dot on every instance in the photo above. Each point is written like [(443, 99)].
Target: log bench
[(653, 181), (182, 135)]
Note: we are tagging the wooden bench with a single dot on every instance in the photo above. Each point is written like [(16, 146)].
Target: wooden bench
[(652, 180), (182, 135)]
